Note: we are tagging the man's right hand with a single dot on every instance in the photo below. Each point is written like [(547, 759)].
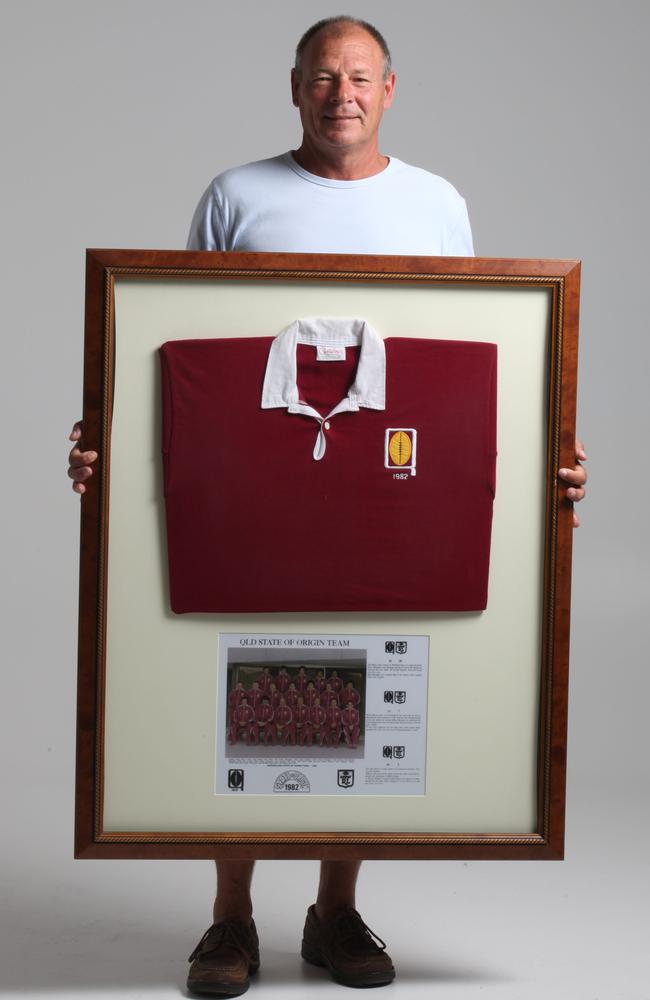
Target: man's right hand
[(79, 469)]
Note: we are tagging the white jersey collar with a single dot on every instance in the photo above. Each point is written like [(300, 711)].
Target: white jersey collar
[(369, 386)]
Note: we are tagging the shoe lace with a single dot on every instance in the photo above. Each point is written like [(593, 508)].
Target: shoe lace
[(226, 932), (351, 927)]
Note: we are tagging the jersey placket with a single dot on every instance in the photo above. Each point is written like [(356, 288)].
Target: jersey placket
[(346, 405)]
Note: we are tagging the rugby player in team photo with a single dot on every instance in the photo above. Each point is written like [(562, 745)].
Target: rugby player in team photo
[(299, 706)]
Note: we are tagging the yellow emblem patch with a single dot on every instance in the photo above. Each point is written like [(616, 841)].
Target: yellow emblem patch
[(400, 445), (399, 448)]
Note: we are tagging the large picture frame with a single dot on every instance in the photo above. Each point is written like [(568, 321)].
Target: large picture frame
[(148, 692)]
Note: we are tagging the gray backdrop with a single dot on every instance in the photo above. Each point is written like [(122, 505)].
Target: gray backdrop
[(115, 118)]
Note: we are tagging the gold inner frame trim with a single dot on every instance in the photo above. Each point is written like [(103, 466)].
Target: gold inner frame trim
[(324, 839)]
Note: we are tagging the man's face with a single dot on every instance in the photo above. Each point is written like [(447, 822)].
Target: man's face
[(341, 91)]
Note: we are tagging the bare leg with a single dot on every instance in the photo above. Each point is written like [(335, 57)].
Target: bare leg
[(336, 890), (233, 900)]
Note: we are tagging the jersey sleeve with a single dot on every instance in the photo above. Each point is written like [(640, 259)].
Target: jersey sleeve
[(207, 231), (459, 240)]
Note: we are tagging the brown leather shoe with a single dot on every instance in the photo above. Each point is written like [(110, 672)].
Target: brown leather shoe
[(348, 948), (223, 959)]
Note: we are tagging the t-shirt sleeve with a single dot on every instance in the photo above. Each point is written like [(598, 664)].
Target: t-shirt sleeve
[(207, 230), (459, 241)]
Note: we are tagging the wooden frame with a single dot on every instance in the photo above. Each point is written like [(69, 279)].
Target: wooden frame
[(108, 270)]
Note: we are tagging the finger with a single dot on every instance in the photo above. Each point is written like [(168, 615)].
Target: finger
[(576, 520), (79, 488), (580, 451), (78, 458), (576, 477), (76, 431), (79, 475), (575, 494)]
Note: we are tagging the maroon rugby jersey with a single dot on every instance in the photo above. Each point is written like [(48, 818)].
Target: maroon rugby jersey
[(269, 509)]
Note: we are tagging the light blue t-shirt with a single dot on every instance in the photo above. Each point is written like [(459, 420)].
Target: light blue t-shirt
[(275, 205)]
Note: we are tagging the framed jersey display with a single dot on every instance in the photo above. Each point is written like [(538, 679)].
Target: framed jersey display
[(325, 557)]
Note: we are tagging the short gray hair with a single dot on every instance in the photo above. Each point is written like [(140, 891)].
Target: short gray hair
[(331, 24)]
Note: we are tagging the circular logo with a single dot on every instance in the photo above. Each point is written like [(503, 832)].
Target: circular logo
[(400, 448), (291, 781)]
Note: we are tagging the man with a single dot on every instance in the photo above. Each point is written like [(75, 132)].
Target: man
[(347, 694), (273, 694), (254, 694), (319, 681), (350, 725), (335, 682), (301, 680), (291, 695), (302, 716), (310, 694), (282, 680), (332, 731), (236, 695), (243, 723), (285, 729), (336, 193), (264, 680), (264, 718), (318, 717)]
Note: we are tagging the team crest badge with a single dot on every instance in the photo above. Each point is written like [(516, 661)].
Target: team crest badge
[(400, 449), (236, 779), (345, 778)]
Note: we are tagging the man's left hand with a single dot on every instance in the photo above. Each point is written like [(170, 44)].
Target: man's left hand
[(576, 477)]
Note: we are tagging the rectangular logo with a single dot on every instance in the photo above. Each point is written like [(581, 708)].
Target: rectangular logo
[(400, 449)]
